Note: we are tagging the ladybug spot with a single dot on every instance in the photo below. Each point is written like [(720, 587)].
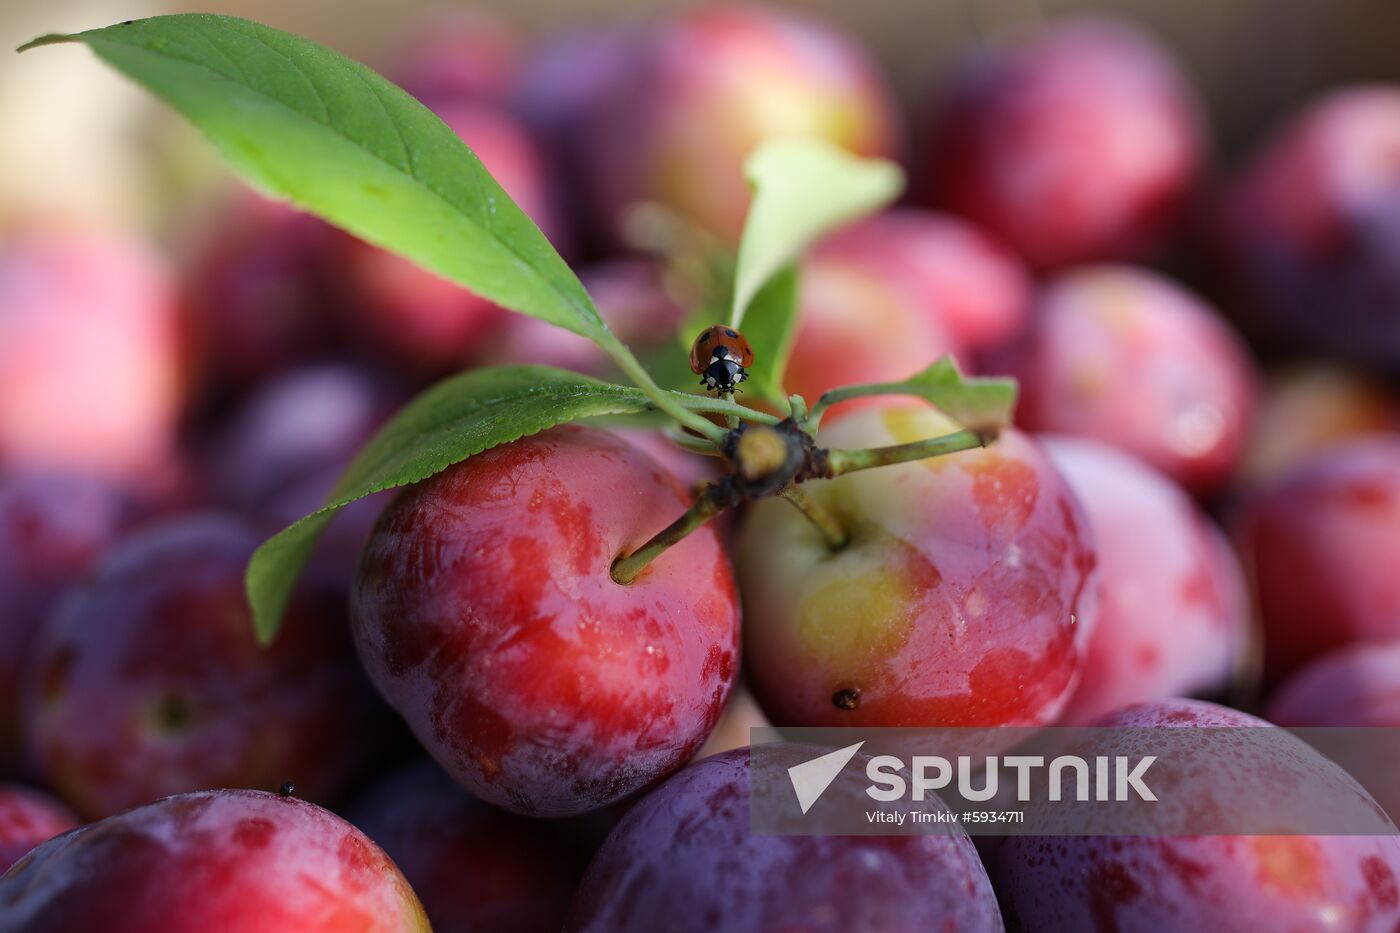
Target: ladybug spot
[(705, 337), (730, 333)]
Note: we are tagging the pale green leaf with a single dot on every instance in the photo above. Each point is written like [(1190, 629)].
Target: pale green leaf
[(803, 189), (977, 403)]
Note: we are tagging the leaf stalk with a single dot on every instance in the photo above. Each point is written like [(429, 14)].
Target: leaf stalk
[(841, 462)]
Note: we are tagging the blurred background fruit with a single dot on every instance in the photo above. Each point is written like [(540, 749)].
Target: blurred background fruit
[(52, 528), (712, 82), (1173, 614), (1128, 357), (978, 289), (148, 680), (1175, 223), (1309, 409), (473, 866), (1316, 543), (92, 355), (1080, 144), (261, 291), (27, 818), (1310, 229)]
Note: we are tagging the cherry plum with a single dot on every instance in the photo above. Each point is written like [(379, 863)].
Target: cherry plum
[(977, 288), (1318, 543), (91, 354), (27, 818), (1129, 357), (1082, 144), (52, 528), (236, 861), (712, 82), (1225, 883), (485, 612), (684, 859), (962, 598), (148, 680), (1309, 229), (1173, 612), (473, 866)]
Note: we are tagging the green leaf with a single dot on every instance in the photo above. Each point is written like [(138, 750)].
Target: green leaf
[(453, 420), (803, 189), (304, 123), (978, 403), (770, 329)]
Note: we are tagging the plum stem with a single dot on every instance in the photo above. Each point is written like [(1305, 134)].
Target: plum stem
[(627, 567), (730, 420), (797, 409), (814, 463), (846, 393), (825, 522), (666, 401), (696, 445), (719, 406), (841, 462)]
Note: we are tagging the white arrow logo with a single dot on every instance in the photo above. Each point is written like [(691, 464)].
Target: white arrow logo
[(811, 778)]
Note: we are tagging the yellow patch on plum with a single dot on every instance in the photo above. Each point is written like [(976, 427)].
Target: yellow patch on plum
[(857, 616), (868, 601), (909, 423)]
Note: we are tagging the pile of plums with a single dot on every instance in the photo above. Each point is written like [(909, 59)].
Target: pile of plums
[(1195, 523)]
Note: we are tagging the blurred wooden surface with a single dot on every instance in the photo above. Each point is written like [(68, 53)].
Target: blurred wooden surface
[(1253, 60)]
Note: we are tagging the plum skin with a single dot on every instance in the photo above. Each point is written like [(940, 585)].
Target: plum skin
[(27, 818), (278, 456), (1307, 231), (977, 288), (1080, 145), (927, 284), (1173, 610), (963, 597), (484, 611), (476, 867), (52, 527), (1131, 358), (91, 353), (237, 861), (261, 293), (683, 860), (895, 335), (1318, 543), (148, 679), (1307, 410), (1355, 686), (711, 83), (1225, 883)]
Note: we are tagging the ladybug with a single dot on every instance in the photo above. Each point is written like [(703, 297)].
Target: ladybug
[(720, 356)]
